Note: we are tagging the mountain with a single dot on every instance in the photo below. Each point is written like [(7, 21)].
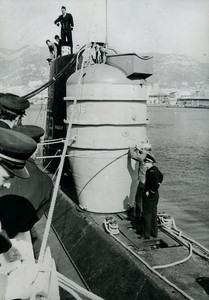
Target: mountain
[(172, 70), (23, 67), (27, 68)]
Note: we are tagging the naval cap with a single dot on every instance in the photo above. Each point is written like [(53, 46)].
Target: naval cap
[(33, 131), (149, 158), (14, 103), (15, 149), (4, 125)]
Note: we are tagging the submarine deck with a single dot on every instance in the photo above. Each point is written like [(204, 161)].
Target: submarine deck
[(95, 260)]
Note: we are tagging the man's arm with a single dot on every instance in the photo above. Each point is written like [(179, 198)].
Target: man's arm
[(71, 22), (155, 178), (58, 20)]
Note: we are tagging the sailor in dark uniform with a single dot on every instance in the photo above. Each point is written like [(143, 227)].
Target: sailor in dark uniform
[(38, 187), (16, 213), (12, 109), (67, 25), (150, 197)]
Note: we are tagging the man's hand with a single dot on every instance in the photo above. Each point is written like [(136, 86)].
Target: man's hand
[(12, 254)]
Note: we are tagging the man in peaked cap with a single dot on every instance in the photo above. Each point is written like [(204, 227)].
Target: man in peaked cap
[(12, 109), (33, 131), (38, 187), (15, 149), (150, 197)]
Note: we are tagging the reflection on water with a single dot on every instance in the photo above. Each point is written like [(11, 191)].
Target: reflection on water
[(180, 142)]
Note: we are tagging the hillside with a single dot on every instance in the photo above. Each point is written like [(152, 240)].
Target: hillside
[(176, 70), (23, 66), (27, 67)]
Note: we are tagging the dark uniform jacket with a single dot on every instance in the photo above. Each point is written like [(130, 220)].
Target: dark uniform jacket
[(66, 22), (153, 180), (36, 189), (17, 214), (24, 203)]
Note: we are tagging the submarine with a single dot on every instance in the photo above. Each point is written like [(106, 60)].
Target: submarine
[(105, 105)]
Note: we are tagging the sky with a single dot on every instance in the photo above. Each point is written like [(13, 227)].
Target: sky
[(141, 26)]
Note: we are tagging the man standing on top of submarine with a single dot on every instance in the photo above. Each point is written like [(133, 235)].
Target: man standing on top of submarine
[(67, 24), (150, 197)]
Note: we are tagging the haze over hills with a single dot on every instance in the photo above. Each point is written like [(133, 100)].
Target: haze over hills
[(27, 68), (172, 70)]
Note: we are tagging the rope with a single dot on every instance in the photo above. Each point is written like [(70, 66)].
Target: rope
[(39, 115), (69, 290), (68, 284), (168, 224), (111, 226), (52, 81), (101, 152), (52, 143), (56, 187), (177, 262), (52, 140), (153, 270), (101, 171), (50, 160)]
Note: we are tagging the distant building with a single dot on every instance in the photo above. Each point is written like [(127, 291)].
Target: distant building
[(193, 101), (157, 99)]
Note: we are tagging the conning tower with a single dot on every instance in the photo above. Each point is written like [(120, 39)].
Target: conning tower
[(109, 117)]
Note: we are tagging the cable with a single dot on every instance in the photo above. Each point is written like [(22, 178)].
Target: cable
[(168, 224), (175, 263), (52, 81), (69, 284), (56, 186), (101, 171)]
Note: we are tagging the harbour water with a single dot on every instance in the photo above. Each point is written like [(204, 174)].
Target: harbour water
[(180, 143)]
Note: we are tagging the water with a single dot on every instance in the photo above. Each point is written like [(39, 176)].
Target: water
[(180, 142)]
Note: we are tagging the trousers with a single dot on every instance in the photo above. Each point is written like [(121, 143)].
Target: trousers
[(150, 216), (66, 36), (138, 199)]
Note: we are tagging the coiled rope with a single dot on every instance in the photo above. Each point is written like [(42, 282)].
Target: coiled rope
[(168, 224), (153, 270)]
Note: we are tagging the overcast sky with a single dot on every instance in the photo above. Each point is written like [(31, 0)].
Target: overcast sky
[(165, 26)]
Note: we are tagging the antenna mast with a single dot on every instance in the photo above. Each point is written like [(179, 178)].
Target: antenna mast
[(106, 21)]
